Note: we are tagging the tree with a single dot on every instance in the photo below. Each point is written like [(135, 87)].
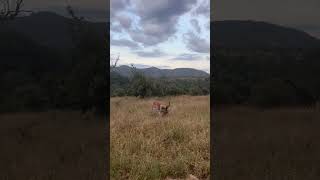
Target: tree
[(9, 11), (114, 64), (89, 77), (140, 85)]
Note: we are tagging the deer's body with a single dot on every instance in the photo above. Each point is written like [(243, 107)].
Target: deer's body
[(161, 108)]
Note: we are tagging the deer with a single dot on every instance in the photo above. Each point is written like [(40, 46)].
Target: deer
[(160, 107)]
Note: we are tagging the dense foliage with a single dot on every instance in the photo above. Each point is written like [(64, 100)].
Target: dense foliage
[(141, 86), (36, 78), (266, 77)]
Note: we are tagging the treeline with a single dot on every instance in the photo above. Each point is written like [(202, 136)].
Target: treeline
[(266, 77), (38, 78), (141, 86)]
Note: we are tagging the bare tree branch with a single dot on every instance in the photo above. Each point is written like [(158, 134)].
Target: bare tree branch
[(114, 65), (9, 12), (73, 15)]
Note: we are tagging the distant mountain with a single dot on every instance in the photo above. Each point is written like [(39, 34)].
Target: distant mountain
[(50, 29), (168, 73), (253, 34)]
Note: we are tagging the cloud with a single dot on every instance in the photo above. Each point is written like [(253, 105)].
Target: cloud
[(162, 10), (203, 9), (124, 42), (153, 34), (187, 57), (115, 28), (124, 21), (195, 25), (196, 43), (154, 53), (158, 22), (117, 6), (208, 26)]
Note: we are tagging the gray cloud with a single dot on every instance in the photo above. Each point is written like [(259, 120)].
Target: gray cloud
[(203, 8), (154, 53), (115, 27), (159, 20), (208, 26), (196, 25), (153, 34), (124, 42), (187, 57), (162, 10), (196, 43), (124, 20), (117, 6)]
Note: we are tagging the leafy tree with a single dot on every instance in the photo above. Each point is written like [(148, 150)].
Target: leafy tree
[(140, 85)]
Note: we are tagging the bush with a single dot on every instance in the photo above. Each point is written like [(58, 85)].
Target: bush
[(140, 86), (272, 93)]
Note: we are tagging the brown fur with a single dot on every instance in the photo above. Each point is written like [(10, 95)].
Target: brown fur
[(160, 107)]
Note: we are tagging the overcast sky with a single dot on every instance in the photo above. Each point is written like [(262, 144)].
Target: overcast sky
[(300, 14), (161, 33), (175, 33)]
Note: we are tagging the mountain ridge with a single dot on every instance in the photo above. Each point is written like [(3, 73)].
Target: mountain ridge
[(50, 29), (155, 72), (259, 34)]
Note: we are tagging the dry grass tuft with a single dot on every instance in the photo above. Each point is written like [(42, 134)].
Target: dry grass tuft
[(147, 146), (277, 144), (51, 145)]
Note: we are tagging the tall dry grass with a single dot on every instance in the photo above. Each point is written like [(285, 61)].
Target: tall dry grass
[(50, 146), (274, 144), (147, 146)]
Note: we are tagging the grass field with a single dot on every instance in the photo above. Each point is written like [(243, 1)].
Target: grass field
[(147, 146), (51, 146), (276, 144)]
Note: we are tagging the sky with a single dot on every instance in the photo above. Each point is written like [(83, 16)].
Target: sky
[(166, 34), (300, 14)]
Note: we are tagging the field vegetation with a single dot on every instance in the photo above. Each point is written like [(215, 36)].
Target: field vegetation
[(277, 144), (52, 145), (147, 146)]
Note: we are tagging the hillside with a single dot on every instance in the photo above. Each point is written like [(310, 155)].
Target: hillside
[(154, 72), (40, 67), (50, 29), (255, 60), (253, 34)]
